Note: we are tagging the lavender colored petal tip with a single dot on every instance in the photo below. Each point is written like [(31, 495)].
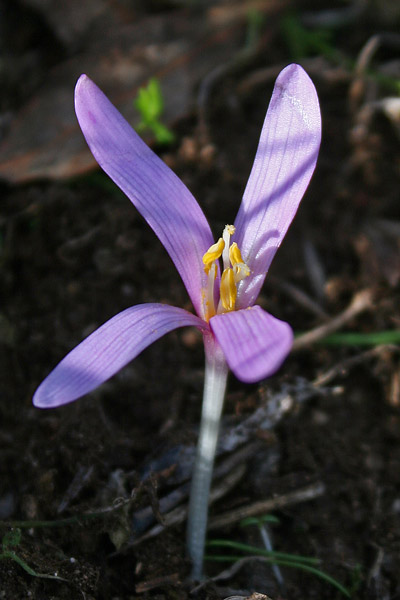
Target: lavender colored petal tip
[(284, 163), (254, 342), (109, 349), (157, 193)]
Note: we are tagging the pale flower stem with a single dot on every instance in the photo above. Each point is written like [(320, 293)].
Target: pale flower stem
[(216, 373)]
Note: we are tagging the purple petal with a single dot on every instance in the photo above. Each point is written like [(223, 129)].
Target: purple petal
[(283, 166), (254, 342), (158, 194), (108, 349)]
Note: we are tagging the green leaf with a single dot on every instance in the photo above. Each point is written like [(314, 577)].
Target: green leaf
[(149, 101), (150, 104), (259, 520)]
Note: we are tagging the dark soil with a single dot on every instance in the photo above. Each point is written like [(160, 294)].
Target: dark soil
[(74, 253)]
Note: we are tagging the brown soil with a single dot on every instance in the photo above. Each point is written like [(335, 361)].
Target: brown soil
[(75, 253)]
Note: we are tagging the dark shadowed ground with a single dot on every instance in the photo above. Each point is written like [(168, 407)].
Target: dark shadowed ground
[(74, 252)]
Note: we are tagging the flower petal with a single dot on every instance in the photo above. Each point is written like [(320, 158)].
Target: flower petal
[(283, 166), (108, 349), (254, 342), (158, 194)]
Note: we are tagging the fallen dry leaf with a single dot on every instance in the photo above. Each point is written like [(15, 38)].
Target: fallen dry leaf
[(177, 47)]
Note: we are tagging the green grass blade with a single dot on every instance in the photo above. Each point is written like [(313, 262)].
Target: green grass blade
[(27, 568), (290, 564), (362, 339), (260, 551), (317, 573)]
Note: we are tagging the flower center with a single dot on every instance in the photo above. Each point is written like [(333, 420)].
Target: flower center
[(234, 270)]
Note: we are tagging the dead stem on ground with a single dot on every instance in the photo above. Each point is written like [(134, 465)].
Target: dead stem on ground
[(360, 302)]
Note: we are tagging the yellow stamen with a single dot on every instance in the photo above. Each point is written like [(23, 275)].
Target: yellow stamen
[(210, 304), (235, 256), (240, 269), (212, 254), (228, 290), (234, 270)]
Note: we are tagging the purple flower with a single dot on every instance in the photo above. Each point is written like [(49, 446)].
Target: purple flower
[(251, 341)]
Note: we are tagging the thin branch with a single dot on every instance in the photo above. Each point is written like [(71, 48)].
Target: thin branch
[(228, 573), (264, 506), (178, 515), (75, 520), (361, 301), (344, 366)]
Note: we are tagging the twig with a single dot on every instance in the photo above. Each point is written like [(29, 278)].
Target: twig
[(371, 46), (231, 571), (366, 54), (360, 302), (264, 506), (178, 515), (394, 390), (343, 366), (75, 520), (357, 88), (146, 586), (144, 517)]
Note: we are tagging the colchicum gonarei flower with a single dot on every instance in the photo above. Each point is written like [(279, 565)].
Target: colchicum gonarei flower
[(238, 334)]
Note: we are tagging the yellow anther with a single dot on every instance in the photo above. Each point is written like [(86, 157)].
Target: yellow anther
[(212, 254), (235, 256), (228, 290), (240, 269)]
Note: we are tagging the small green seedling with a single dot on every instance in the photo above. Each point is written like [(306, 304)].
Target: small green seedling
[(150, 104), (11, 540)]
